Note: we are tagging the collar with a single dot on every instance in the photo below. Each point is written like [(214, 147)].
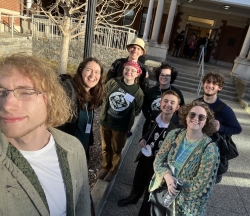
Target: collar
[(160, 123)]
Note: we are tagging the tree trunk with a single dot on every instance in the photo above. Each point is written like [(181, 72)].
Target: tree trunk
[(64, 50)]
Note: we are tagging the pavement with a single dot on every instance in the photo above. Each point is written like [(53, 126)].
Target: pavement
[(231, 197)]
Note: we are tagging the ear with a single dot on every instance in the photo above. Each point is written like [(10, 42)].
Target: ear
[(178, 107), (219, 89)]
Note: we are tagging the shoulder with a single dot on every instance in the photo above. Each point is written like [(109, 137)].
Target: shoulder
[(176, 90), (69, 143), (152, 89)]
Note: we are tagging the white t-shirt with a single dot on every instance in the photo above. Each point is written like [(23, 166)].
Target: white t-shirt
[(46, 166)]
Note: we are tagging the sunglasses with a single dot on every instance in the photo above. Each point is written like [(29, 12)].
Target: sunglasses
[(201, 117)]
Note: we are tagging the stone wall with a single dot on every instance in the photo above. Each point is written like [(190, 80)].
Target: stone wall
[(10, 46), (50, 49)]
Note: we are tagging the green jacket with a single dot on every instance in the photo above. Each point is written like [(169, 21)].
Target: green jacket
[(136, 104), (21, 193), (198, 173)]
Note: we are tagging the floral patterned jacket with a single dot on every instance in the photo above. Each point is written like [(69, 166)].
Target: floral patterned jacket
[(198, 172)]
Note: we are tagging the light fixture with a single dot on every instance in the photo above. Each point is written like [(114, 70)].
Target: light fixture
[(190, 1), (226, 7)]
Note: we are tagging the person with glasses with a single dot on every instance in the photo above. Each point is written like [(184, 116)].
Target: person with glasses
[(188, 154), (86, 90), (123, 102), (165, 75), (43, 170)]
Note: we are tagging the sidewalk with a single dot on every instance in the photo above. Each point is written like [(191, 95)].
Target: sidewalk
[(230, 198)]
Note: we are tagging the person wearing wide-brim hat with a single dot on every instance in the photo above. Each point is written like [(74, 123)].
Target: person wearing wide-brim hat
[(136, 48)]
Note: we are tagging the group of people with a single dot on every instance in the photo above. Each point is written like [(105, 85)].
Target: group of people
[(44, 170), (192, 46)]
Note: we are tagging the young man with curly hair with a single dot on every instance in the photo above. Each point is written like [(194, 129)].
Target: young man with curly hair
[(43, 170), (225, 119)]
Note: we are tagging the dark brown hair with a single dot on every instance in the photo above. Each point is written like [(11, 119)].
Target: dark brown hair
[(174, 72), (95, 94), (208, 128), (217, 79)]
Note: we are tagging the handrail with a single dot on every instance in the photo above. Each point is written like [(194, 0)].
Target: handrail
[(12, 26), (201, 69)]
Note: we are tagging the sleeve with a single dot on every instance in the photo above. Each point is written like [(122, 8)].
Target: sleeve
[(139, 102), (112, 73), (146, 106), (83, 201), (228, 122)]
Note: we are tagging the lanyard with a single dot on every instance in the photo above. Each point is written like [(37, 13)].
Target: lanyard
[(88, 114)]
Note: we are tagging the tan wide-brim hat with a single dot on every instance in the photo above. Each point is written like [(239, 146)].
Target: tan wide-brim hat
[(139, 42)]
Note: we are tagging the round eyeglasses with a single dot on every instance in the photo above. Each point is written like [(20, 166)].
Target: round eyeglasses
[(201, 117)]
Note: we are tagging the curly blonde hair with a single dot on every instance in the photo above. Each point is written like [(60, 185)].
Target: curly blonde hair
[(208, 128), (45, 80)]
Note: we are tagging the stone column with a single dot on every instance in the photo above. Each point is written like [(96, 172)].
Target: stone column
[(168, 28), (157, 21), (148, 20), (246, 45)]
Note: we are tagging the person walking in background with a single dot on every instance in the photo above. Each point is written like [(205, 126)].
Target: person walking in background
[(186, 46), (177, 42), (203, 44), (123, 102), (192, 46), (161, 124), (190, 155), (166, 76), (43, 170), (86, 90), (225, 120)]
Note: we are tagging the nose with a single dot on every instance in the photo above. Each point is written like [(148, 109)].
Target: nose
[(9, 101)]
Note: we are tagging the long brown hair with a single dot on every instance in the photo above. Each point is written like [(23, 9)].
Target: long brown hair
[(95, 94)]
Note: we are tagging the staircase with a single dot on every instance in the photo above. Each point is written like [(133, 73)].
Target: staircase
[(187, 79)]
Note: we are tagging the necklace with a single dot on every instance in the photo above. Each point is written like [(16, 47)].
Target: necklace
[(166, 88)]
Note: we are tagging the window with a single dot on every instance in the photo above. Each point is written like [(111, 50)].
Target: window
[(143, 21), (128, 18)]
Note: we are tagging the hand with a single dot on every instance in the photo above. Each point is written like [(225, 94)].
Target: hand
[(91, 150), (170, 181), (216, 124), (142, 143)]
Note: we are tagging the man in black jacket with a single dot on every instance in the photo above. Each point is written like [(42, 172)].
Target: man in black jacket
[(177, 42), (203, 43), (136, 49)]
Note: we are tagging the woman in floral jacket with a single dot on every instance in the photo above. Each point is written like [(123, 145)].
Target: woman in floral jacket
[(190, 155)]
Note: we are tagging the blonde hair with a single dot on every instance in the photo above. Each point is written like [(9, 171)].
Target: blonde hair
[(44, 79)]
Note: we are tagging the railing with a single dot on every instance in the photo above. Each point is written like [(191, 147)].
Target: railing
[(11, 27), (114, 36), (201, 70)]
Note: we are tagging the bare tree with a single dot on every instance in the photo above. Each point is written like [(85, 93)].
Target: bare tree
[(61, 13)]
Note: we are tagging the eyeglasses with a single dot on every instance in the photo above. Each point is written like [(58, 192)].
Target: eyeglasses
[(201, 117), (166, 76), (20, 94)]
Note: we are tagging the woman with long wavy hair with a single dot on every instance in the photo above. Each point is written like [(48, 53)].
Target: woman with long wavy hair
[(86, 90)]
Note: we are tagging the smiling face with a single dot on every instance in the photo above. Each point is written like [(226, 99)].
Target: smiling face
[(134, 52), (19, 118), (165, 77), (211, 88), (169, 104), (91, 75), (130, 74), (194, 123)]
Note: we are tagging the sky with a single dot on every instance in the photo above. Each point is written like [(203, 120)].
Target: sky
[(242, 2)]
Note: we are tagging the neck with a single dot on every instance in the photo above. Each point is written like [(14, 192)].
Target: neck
[(33, 141), (193, 135), (133, 60), (129, 82), (210, 99), (165, 86), (165, 118)]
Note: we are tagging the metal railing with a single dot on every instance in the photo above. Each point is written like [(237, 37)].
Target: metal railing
[(114, 36), (10, 26), (201, 70)]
